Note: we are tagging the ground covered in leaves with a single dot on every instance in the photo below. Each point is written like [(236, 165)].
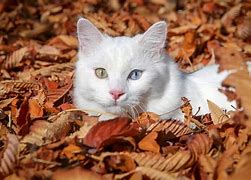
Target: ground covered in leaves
[(42, 135)]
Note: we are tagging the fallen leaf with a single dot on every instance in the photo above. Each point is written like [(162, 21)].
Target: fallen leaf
[(76, 174), (35, 108), (148, 143), (14, 60), (217, 114), (9, 156), (104, 130)]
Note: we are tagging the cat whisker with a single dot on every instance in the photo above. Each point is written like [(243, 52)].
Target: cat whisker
[(126, 112), (133, 113), (143, 107), (136, 110)]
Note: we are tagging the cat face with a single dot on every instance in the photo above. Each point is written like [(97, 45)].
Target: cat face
[(118, 74)]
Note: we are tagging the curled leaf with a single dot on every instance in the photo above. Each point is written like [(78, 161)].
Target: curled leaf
[(17, 86), (58, 126), (176, 128), (9, 156), (178, 161), (199, 144), (244, 29), (148, 143), (76, 174), (217, 114), (105, 130), (229, 16), (15, 58)]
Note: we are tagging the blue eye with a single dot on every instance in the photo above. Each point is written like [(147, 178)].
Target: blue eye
[(135, 74)]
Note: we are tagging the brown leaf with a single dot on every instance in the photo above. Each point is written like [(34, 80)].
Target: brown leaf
[(6, 102), (48, 50), (57, 127), (38, 29), (228, 58), (178, 161), (229, 16), (76, 174), (243, 166), (199, 144), (17, 86), (121, 162), (146, 119), (54, 95), (244, 29), (48, 71), (170, 127), (105, 130), (155, 174), (14, 60), (148, 143), (241, 81), (71, 152), (207, 165), (64, 42), (22, 113), (226, 162), (217, 114), (35, 108), (9, 156)]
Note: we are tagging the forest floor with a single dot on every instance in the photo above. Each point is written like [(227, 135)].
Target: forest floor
[(42, 134)]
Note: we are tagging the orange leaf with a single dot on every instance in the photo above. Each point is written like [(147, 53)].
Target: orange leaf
[(76, 174), (148, 143), (105, 130), (35, 109)]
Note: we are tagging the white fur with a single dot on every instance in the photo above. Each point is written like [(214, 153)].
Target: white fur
[(159, 89)]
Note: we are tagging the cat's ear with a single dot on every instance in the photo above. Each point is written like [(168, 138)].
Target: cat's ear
[(88, 35), (154, 39)]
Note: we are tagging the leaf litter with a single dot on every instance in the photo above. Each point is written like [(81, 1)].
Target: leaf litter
[(43, 136)]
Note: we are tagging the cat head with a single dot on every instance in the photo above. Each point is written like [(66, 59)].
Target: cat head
[(118, 74)]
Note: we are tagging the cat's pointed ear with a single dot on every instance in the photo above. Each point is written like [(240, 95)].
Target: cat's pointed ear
[(88, 35), (154, 39)]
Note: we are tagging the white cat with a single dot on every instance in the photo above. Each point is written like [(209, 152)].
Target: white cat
[(124, 75)]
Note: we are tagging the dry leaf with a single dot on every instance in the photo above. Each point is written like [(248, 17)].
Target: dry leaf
[(70, 152), (207, 165), (146, 119), (76, 174), (155, 174), (120, 162), (58, 126), (228, 58), (229, 16), (15, 58), (9, 156), (17, 86), (47, 71), (170, 127), (241, 81), (63, 41), (217, 114), (176, 162), (35, 108), (105, 130), (148, 143), (199, 144), (6, 102)]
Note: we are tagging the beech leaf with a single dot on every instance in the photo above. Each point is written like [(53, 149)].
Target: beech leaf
[(105, 130), (217, 114)]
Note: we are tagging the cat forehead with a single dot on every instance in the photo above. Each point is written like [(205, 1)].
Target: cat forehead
[(120, 49)]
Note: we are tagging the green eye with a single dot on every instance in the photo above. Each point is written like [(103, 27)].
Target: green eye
[(101, 73)]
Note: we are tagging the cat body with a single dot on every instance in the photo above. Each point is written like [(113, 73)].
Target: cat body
[(129, 75)]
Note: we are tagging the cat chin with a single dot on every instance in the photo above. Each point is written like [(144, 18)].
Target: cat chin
[(116, 109)]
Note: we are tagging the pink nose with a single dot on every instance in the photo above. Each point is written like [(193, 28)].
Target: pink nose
[(116, 93)]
